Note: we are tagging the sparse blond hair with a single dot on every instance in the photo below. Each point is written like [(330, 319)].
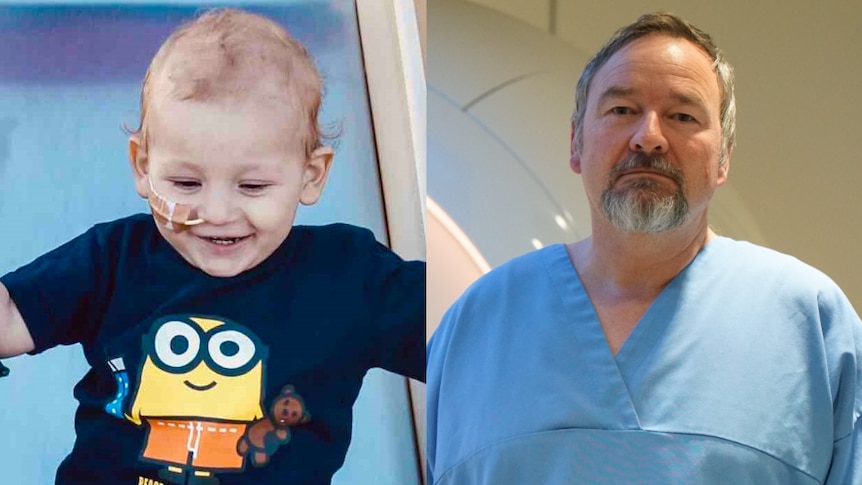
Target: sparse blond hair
[(224, 54)]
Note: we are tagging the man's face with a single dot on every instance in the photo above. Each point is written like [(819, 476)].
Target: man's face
[(242, 166), (652, 136)]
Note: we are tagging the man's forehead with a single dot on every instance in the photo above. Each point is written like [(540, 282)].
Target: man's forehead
[(640, 62), (659, 50), (678, 95)]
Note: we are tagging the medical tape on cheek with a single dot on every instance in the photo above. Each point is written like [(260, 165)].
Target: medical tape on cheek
[(175, 216)]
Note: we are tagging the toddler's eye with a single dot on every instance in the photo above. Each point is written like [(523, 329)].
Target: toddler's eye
[(186, 184), (253, 188)]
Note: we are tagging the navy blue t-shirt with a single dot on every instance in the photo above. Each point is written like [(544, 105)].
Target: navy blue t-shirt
[(199, 379)]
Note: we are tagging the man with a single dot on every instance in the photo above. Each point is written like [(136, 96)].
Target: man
[(654, 351)]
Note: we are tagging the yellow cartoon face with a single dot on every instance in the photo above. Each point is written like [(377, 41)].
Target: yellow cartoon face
[(200, 367)]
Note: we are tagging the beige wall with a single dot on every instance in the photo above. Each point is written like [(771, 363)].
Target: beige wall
[(799, 110)]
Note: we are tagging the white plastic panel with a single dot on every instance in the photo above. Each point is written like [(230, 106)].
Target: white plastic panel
[(537, 129), (485, 188), (472, 49), (454, 264)]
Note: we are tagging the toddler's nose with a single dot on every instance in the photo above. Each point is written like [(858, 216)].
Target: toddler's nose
[(218, 208)]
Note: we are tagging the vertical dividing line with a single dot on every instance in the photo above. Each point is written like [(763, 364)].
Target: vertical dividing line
[(417, 446)]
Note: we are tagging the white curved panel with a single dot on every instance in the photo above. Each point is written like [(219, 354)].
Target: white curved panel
[(532, 118), (485, 188), (454, 264), (473, 49)]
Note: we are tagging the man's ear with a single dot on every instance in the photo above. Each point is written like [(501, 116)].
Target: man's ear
[(314, 175), (574, 154), (140, 168), (724, 169)]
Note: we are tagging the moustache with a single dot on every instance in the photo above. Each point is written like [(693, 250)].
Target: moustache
[(654, 163)]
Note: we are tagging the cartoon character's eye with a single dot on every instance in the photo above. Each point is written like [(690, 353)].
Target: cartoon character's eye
[(176, 344), (231, 349)]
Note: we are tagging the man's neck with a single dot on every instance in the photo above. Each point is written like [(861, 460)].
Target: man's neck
[(623, 273), (638, 264)]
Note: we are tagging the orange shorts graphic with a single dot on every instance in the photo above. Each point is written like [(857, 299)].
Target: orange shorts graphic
[(200, 444)]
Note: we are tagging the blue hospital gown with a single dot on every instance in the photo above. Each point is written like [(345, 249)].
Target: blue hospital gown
[(745, 370)]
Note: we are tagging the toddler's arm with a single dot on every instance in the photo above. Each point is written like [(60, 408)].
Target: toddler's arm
[(15, 339)]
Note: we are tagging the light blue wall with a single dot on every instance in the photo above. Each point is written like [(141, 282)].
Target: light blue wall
[(70, 79)]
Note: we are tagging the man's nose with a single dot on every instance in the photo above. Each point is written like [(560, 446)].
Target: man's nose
[(648, 136)]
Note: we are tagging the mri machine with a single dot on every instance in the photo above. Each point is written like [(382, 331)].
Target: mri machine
[(500, 99)]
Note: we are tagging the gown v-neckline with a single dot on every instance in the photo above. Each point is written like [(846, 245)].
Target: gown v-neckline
[(619, 369)]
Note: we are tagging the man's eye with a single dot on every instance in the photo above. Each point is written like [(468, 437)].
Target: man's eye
[(686, 118), (621, 110)]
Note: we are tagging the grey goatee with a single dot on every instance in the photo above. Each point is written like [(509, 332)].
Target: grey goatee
[(645, 205)]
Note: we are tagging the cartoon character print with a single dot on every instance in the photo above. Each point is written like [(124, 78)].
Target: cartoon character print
[(199, 395), (200, 384), (266, 435)]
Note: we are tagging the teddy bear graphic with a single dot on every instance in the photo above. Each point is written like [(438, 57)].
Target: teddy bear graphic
[(264, 436)]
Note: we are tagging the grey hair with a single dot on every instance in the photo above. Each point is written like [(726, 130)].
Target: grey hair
[(673, 25)]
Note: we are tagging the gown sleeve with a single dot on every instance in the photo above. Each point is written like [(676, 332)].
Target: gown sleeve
[(843, 339), (436, 357)]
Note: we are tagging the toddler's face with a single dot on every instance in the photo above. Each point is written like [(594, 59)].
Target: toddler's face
[(244, 169)]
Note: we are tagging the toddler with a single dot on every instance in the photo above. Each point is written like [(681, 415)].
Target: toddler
[(226, 345)]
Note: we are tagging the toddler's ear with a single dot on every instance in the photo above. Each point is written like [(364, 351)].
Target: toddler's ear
[(314, 176), (138, 160)]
